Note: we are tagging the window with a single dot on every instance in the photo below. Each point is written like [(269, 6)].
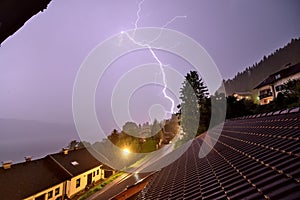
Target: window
[(77, 183), (74, 163), (265, 93), (56, 191), (277, 76), (93, 174), (97, 171), (279, 88), (50, 194)]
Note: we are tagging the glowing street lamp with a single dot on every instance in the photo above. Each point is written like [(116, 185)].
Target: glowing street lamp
[(126, 151)]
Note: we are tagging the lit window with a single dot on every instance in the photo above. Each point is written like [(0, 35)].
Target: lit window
[(56, 191), (277, 76), (50, 194), (77, 183)]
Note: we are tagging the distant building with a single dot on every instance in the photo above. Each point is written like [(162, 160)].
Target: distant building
[(242, 95), (274, 84), (55, 177)]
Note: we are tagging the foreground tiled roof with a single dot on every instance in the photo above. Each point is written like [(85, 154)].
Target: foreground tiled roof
[(254, 158)]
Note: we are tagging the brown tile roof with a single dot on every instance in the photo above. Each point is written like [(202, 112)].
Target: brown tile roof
[(82, 156), (254, 158), (28, 178), (25, 179)]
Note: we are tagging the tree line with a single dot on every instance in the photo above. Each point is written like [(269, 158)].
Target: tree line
[(194, 115)]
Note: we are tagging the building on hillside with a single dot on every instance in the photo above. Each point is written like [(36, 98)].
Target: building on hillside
[(242, 95), (274, 84), (55, 177)]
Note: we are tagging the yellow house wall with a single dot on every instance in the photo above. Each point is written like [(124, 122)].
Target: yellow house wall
[(60, 186), (71, 189), (71, 186)]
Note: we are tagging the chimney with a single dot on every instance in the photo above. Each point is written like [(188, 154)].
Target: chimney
[(65, 151), (28, 158), (7, 164)]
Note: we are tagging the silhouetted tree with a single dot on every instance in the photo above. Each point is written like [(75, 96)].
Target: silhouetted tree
[(83, 144), (73, 144), (292, 92), (156, 131), (131, 128), (194, 104), (238, 108), (114, 136), (172, 125)]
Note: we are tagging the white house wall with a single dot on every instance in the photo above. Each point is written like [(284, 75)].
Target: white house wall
[(266, 100), (285, 80)]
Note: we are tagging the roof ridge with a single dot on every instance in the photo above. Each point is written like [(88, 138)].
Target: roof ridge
[(50, 156)]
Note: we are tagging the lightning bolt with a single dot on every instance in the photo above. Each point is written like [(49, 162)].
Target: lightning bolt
[(147, 45), (138, 17)]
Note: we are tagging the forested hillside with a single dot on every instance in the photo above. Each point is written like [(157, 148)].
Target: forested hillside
[(253, 75)]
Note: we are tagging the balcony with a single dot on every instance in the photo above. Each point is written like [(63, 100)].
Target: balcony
[(262, 96)]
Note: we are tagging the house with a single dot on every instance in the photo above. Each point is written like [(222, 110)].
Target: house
[(274, 84), (83, 168), (32, 180), (242, 95), (54, 177)]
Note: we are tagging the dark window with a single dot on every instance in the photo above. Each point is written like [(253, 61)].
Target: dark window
[(94, 174), (97, 171), (265, 93), (41, 197), (77, 183), (56, 191), (50, 194), (279, 88), (107, 174)]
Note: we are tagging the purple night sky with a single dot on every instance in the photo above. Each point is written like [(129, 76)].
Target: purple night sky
[(38, 64)]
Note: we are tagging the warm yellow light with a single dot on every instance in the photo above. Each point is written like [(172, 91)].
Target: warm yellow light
[(126, 151)]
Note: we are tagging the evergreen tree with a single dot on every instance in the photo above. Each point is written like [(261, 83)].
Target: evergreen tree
[(194, 104), (156, 131)]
